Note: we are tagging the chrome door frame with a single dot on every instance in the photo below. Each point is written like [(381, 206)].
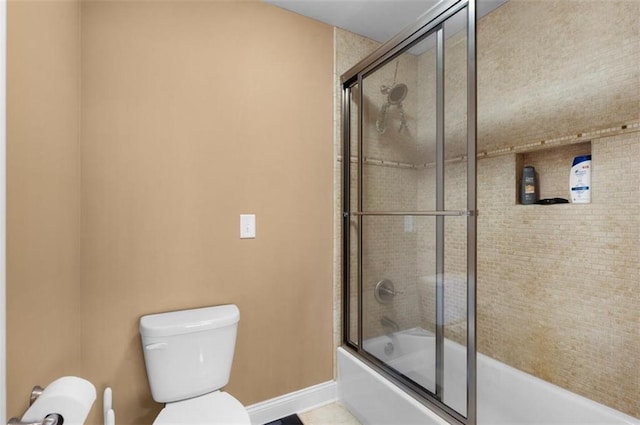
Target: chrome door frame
[(429, 23)]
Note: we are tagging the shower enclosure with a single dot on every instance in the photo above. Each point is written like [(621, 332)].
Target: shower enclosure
[(409, 234), (556, 284)]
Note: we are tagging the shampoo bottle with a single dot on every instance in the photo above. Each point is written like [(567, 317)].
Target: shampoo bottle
[(580, 180), (529, 186)]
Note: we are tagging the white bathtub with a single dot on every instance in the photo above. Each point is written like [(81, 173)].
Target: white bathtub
[(506, 396)]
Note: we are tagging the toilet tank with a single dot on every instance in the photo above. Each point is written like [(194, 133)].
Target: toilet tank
[(189, 353)]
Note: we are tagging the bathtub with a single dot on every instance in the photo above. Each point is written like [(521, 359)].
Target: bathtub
[(506, 396)]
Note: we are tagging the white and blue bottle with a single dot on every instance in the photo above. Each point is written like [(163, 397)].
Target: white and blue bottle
[(580, 180)]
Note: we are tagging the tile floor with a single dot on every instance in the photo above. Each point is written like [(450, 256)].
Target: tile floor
[(331, 414)]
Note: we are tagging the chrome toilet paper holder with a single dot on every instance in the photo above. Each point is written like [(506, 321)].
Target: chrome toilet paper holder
[(50, 419), (35, 393)]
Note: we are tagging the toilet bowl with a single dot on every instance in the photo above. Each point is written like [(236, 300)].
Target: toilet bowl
[(216, 408), (188, 355)]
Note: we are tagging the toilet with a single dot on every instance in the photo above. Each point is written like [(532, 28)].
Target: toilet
[(188, 355)]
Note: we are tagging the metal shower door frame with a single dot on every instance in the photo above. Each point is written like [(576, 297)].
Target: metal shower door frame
[(431, 22)]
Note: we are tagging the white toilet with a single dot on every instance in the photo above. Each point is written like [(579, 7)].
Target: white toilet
[(188, 355)]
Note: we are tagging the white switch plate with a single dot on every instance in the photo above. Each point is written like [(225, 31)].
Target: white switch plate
[(247, 226)]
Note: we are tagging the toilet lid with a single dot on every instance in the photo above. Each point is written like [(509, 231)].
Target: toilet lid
[(216, 408)]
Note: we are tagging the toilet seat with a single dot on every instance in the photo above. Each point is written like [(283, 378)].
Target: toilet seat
[(216, 408)]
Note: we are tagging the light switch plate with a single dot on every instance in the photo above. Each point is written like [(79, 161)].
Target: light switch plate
[(247, 226)]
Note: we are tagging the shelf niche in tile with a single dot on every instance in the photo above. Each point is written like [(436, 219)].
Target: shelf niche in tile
[(552, 168)]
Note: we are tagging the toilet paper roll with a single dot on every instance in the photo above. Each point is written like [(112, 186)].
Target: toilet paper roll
[(69, 396)]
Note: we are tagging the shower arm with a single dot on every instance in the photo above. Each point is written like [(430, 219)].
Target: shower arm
[(381, 122), (403, 120)]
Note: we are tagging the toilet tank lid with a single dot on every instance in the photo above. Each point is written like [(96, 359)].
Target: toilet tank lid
[(188, 321)]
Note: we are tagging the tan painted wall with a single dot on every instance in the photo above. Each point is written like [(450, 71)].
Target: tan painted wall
[(192, 113), (43, 178)]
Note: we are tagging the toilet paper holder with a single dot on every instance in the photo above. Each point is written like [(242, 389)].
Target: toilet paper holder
[(51, 419), (35, 393)]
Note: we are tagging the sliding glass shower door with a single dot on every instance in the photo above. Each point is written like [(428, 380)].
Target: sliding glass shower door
[(409, 209)]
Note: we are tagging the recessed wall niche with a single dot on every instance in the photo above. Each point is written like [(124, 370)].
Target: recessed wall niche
[(552, 169)]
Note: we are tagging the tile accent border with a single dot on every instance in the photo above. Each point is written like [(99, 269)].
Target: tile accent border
[(296, 402), (629, 127)]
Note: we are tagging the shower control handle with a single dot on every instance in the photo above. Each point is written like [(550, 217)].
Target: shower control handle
[(384, 291), (387, 291)]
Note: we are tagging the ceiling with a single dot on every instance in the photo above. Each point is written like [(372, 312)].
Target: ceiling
[(375, 19)]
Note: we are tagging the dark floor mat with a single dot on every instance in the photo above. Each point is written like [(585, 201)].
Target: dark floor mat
[(287, 420)]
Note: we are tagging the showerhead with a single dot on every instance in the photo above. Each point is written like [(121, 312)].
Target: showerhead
[(395, 94)]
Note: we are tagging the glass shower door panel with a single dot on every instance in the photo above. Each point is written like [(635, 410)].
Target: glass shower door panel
[(455, 112), (353, 297), (409, 224), (455, 314), (455, 198), (398, 129), (395, 295)]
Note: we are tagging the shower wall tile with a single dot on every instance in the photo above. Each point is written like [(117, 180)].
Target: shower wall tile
[(558, 285), (543, 72), (555, 68)]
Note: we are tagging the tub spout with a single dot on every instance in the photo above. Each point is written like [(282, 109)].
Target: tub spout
[(389, 323)]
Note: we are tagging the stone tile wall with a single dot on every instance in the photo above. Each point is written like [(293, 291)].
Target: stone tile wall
[(558, 285)]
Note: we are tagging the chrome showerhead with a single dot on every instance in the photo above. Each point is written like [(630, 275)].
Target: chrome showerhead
[(395, 94)]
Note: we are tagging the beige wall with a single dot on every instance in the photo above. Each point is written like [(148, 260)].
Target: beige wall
[(192, 113), (43, 209)]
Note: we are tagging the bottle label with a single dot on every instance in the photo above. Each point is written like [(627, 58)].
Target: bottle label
[(580, 180)]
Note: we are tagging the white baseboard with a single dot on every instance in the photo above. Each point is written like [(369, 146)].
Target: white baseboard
[(295, 402)]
